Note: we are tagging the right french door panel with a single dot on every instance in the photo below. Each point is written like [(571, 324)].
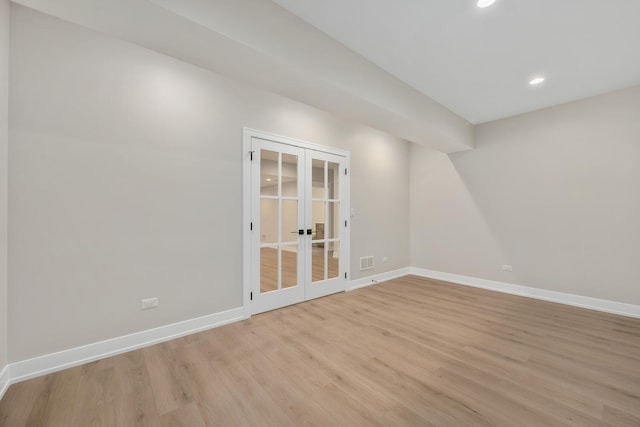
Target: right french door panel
[(325, 213), (299, 210)]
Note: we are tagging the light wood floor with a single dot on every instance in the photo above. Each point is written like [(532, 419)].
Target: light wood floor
[(406, 352), (269, 268)]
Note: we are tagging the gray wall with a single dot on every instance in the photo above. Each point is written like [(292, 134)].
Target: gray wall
[(126, 179), (4, 165), (554, 193)]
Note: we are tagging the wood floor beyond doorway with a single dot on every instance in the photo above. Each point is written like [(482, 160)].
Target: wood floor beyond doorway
[(410, 351), (269, 268)]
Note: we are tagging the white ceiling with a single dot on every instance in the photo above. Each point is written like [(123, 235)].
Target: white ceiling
[(477, 62)]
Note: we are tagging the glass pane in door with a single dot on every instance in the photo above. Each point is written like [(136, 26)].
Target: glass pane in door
[(318, 246), (269, 173), (318, 181), (317, 262), (268, 269), (289, 221), (333, 180), (289, 175), (289, 266), (269, 221), (333, 217), (318, 220), (333, 259), (332, 229)]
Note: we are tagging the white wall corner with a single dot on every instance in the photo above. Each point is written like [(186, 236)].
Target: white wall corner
[(377, 278), (606, 306), (26, 369), (4, 381)]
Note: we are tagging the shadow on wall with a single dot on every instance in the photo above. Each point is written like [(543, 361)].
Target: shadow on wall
[(557, 191), (450, 230)]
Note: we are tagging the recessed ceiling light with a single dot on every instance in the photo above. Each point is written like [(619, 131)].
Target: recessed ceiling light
[(485, 3), (538, 80)]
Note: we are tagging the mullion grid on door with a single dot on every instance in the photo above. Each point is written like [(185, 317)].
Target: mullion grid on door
[(332, 215), (279, 220), (329, 203), (259, 207), (280, 243), (325, 207), (322, 200), (326, 218)]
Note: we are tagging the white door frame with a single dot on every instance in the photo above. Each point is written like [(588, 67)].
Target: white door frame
[(247, 219)]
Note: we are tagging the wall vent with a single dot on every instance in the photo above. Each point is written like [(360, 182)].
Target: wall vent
[(366, 263)]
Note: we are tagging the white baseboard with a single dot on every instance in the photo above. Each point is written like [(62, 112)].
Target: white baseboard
[(23, 370), (26, 369), (4, 380), (377, 278), (607, 306)]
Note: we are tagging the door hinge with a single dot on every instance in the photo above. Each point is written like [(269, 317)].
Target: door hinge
[(345, 222), (251, 296), (345, 171), (251, 226), (251, 155), (345, 274)]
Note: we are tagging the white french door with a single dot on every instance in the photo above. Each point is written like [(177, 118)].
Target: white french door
[(298, 230), (324, 210)]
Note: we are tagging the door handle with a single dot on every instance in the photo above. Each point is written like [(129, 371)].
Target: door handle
[(309, 232), (300, 232)]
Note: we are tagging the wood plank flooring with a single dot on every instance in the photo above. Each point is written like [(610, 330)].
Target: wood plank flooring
[(269, 267), (411, 351)]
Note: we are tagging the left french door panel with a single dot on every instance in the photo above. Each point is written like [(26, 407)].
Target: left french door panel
[(278, 254)]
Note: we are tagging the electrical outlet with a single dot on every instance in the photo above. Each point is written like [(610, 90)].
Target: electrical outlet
[(148, 303), (385, 259), (507, 268)]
